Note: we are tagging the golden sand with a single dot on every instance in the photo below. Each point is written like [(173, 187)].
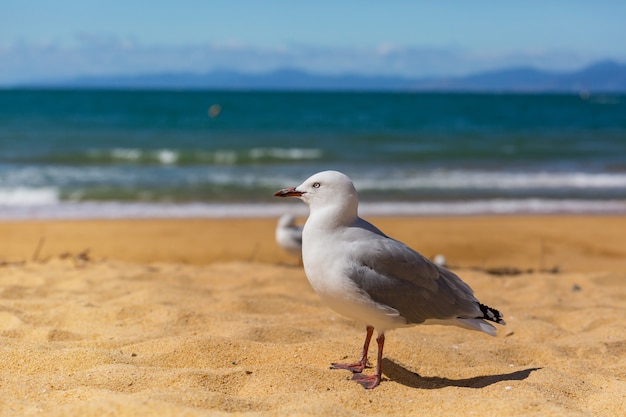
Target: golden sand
[(210, 317)]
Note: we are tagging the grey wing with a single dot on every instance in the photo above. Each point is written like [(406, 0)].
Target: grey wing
[(393, 274)]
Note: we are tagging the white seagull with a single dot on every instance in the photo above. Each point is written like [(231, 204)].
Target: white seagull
[(363, 274), (289, 235)]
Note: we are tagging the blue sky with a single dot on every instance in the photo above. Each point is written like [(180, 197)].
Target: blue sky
[(56, 39)]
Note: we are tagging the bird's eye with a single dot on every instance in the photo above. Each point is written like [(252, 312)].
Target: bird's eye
[(316, 185)]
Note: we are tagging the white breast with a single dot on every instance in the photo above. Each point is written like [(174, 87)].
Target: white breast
[(326, 266)]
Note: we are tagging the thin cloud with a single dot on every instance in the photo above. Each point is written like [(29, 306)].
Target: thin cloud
[(89, 54)]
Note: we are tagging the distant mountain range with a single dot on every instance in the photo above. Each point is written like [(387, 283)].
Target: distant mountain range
[(606, 77)]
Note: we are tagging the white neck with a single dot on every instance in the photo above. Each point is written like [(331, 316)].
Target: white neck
[(342, 212)]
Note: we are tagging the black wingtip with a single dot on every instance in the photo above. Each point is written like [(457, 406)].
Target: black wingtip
[(491, 314)]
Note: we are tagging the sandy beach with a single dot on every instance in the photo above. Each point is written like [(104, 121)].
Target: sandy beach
[(210, 317)]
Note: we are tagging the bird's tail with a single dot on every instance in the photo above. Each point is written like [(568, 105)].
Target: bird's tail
[(479, 323), (491, 314)]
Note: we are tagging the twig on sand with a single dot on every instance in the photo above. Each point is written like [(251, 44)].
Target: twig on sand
[(42, 240)]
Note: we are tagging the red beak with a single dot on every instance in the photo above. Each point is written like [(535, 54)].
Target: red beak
[(288, 192)]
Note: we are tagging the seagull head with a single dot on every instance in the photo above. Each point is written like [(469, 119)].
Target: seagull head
[(326, 189)]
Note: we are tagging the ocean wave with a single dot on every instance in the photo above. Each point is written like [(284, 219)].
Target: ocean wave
[(24, 196), (495, 180), (162, 156), (121, 210), (136, 156), (257, 183), (496, 206), (292, 154)]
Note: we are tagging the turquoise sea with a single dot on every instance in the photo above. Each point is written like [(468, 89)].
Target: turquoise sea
[(102, 153)]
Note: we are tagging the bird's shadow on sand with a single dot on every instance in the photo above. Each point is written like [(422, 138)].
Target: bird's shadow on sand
[(403, 376)]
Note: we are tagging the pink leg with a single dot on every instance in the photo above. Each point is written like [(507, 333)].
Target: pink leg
[(372, 381), (357, 367)]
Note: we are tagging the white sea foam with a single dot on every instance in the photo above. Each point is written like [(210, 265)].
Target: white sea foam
[(442, 179), (285, 153), (126, 154), (225, 157), (220, 156), (52, 176), (497, 206), (163, 156), (167, 156), (28, 197), (118, 210)]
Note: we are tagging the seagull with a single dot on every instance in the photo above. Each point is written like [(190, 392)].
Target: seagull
[(289, 235), (367, 276)]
